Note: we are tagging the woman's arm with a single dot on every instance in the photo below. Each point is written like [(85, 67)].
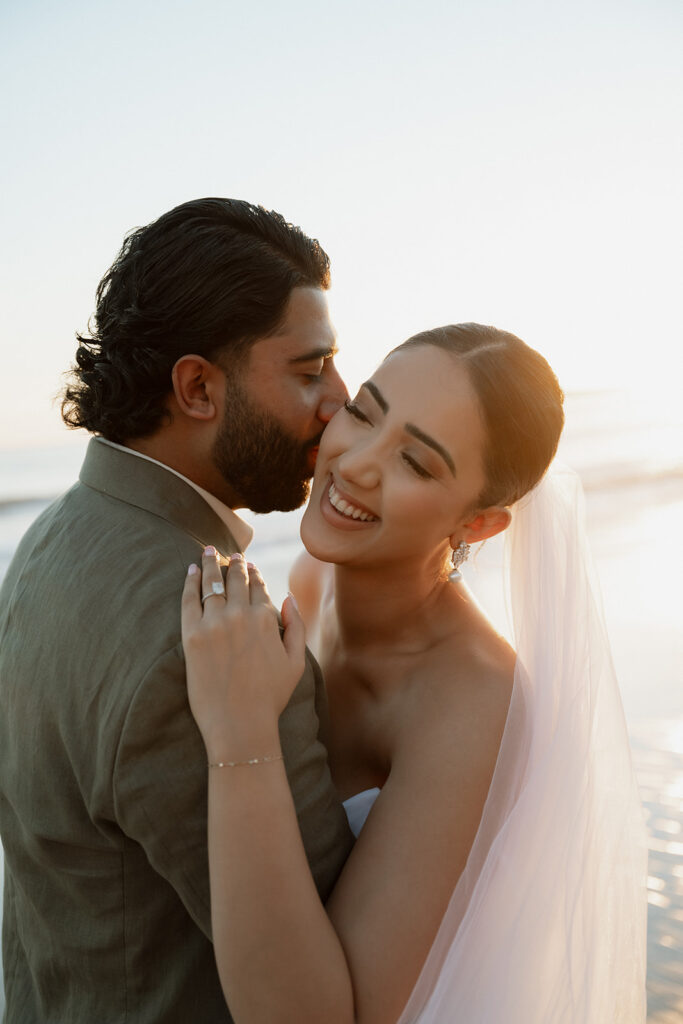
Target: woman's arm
[(278, 957), (281, 958)]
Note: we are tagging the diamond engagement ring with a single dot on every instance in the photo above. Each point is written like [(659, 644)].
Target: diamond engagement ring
[(217, 590)]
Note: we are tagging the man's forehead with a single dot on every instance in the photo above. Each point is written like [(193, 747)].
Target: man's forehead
[(306, 309), (306, 333)]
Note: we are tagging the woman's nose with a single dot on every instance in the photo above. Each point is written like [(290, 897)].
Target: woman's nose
[(359, 465)]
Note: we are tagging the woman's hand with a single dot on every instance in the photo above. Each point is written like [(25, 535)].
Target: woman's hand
[(278, 957), (240, 671)]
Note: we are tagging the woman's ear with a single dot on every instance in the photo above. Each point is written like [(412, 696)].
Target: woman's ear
[(483, 525), (195, 384)]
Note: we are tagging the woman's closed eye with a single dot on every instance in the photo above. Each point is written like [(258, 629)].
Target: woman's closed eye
[(354, 411), (415, 466), (408, 459)]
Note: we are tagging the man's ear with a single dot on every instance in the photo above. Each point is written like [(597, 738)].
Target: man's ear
[(483, 525), (196, 383)]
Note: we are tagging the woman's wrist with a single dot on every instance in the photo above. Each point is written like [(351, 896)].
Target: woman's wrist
[(243, 743)]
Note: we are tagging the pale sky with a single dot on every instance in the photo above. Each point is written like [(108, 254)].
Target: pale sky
[(513, 163)]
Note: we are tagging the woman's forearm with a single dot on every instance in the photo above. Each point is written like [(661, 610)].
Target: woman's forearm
[(279, 958)]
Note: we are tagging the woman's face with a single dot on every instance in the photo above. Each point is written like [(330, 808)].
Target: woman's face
[(400, 467)]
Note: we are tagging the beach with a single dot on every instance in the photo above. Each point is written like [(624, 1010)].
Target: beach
[(630, 459)]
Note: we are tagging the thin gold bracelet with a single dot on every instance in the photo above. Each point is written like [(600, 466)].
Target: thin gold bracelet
[(252, 760)]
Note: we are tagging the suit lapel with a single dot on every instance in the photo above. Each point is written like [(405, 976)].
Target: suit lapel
[(140, 483)]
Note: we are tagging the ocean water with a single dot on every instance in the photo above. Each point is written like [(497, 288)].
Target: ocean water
[(628, 451)]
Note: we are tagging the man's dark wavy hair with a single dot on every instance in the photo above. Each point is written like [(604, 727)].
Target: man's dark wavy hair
[(209, 277)]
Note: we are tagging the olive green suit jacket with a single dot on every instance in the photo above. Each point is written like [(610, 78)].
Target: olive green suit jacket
[(102, 769)]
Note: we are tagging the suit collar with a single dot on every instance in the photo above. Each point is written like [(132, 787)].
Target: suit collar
[(149, 485), (241, 531)]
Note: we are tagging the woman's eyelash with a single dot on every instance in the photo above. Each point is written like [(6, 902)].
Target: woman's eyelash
[(420, 470), (355, 411)]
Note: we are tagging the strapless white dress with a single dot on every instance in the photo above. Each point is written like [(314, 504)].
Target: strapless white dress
[(547, 923), (358, 807)]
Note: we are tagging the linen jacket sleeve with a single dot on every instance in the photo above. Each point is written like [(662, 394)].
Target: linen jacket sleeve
[(159, 782)]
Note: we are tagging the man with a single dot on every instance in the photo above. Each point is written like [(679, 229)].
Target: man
[(207, 384)]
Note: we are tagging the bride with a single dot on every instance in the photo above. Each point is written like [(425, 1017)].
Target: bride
[(498, 875)]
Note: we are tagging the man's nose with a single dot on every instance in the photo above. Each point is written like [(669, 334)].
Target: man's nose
[(334, 397)]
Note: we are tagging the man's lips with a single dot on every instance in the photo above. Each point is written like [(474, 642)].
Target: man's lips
[(313, 454)]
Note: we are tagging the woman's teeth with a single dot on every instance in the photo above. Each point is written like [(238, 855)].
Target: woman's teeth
[(346, 509)]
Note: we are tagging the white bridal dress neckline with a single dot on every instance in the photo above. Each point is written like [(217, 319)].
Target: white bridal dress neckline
[(358, 807)]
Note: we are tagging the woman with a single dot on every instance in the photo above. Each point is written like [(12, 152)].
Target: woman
[(497, 875)]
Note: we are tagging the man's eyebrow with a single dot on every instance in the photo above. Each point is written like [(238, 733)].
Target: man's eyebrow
[(317, 353), (410, 428), (426, 439)]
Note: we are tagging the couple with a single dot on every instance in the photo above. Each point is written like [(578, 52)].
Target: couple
[(497, 875)]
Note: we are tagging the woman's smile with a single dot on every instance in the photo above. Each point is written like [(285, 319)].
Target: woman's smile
[(344, 511)]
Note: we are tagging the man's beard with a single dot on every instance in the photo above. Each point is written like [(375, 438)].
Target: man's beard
[(266, 468)]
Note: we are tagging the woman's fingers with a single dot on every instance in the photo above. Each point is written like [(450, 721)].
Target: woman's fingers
[(191, 608), (238, 582), (237, 626), (258, 592), (212, 588), (243, 583), (206, 592)]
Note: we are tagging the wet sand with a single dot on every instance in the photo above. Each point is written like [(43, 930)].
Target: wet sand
[(658, 757), (638, 544)]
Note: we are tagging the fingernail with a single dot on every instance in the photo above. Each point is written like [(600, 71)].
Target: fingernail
[(250, 565), (210, 551), (192, 570), (291, 597), (236, 556)]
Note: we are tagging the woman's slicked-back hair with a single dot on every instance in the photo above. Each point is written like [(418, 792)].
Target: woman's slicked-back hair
[(209, 277), (521, 404)]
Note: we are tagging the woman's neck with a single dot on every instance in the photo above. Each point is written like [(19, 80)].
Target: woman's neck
[(393, 608)]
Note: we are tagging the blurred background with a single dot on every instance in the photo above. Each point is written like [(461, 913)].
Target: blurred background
[(511, 163)]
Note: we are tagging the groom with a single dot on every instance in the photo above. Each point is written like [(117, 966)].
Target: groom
[(206, 384)]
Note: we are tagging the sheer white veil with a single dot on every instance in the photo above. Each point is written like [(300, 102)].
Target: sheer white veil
[(547, 924)]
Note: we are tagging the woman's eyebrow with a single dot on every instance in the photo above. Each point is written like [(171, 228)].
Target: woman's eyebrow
[(410, 427), (377, 395), (426, 439)]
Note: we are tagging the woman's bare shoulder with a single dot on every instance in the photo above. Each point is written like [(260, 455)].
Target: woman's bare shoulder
[(308, 581), (490, 661), (461, 703), (478, 663), (480, 682)]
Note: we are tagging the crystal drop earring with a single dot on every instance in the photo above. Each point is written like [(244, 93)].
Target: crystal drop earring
[(458, 557)]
